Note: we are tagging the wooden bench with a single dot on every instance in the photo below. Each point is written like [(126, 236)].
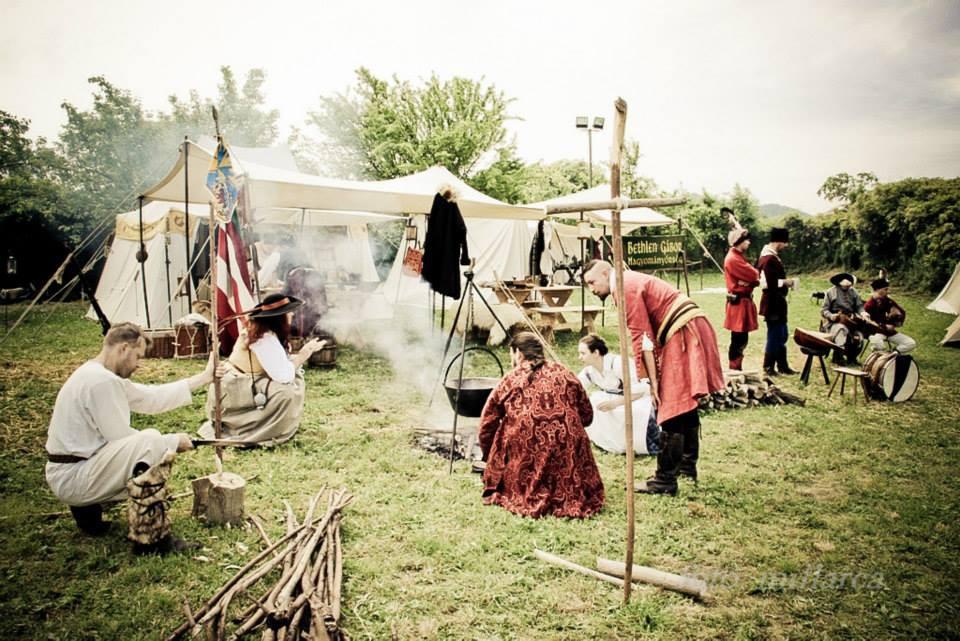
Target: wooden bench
[(859, 374), (555, 320)]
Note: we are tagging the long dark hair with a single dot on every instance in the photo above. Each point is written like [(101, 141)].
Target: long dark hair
[(279, 325), (531, 349)]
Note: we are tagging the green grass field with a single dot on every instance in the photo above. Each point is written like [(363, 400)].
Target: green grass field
[(829, 521)]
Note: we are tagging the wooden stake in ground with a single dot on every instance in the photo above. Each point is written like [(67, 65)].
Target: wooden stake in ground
[(667, 580), (619, 126)]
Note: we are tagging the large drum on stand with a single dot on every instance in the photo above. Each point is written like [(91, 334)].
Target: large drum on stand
[(892, 376), (192, 339)]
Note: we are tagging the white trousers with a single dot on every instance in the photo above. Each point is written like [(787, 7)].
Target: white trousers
[(900, 342), (607, 429), (104, 476)]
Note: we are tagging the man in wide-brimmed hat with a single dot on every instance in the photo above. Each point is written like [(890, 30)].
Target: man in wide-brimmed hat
[(773, 301), (889, 316), (843, 315), (741, 279)]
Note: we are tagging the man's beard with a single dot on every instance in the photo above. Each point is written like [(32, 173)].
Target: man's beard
[(602, 297)]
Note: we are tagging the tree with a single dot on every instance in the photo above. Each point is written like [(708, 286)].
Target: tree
[(244, 118), (632, 183), (385, 129), (847, 189), (543, 181)]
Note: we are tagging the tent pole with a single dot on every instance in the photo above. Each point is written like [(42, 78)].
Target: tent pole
[(215, 336), (142, 258), (620, 121), (583, 296), (166, 261), (186, 216)]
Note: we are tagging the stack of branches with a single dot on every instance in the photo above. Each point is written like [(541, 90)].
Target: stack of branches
[(299, 579), (747, 389)]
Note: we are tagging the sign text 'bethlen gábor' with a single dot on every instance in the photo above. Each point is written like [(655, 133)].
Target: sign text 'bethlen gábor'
[(652, 252)]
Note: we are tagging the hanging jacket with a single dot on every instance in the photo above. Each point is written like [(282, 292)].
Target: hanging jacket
[(446, 240)]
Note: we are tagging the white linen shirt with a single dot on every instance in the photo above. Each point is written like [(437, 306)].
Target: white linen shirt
[(93, 407)]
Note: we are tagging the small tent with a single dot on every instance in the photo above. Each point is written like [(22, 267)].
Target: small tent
[(952, 336), (121, 293), (948, 301)]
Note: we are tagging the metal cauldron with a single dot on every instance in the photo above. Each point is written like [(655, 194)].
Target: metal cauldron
[(474, 390)]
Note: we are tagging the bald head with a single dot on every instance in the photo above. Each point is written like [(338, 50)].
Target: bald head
[(596, 276)]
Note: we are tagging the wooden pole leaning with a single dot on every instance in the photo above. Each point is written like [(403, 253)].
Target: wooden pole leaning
[(215, 338), (530, 325), (619, 127)]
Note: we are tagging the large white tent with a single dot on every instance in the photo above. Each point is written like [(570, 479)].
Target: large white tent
[(271, 187), (120, 291), (948, 300)]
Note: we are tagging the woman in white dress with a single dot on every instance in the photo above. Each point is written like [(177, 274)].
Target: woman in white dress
[(262, 389), (603, 371)]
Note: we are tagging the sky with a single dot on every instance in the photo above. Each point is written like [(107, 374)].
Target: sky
[(774, 95)]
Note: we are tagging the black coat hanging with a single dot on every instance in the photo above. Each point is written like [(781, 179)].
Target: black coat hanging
[(445, 247)]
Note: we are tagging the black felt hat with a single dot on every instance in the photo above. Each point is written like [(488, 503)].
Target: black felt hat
[(779, 235), (836, 279), (880, 283), (275, 305)]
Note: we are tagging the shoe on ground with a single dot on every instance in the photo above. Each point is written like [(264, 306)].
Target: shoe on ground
[(169, 544), (690, 474), (654, 486), (89, 519)]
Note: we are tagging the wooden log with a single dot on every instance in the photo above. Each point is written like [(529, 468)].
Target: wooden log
[(218, 498), (570, 565), (667, 580)]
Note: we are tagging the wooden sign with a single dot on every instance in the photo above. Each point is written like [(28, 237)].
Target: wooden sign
[(647, 253)]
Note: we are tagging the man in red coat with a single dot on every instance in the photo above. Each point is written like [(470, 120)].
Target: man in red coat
[(686, 364), (742, 278)]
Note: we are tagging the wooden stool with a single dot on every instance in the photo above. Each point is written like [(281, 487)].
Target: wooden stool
[(859, 374), (808, 364)]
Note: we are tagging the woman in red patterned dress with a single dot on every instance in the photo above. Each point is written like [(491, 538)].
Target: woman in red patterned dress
[(533, 439)]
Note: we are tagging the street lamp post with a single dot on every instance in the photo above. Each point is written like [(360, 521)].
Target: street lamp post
[(583, 122)]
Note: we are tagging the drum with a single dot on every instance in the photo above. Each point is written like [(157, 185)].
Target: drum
[(891, 376), (192, 340), (161, 343)]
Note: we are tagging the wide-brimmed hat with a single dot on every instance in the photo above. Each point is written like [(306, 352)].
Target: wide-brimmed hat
[(275, 305), (737, 236), (880, 283), (836, 279), (779, 235)]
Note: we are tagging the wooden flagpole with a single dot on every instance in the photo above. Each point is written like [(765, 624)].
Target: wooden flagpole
[(214, 323), (619, 127)]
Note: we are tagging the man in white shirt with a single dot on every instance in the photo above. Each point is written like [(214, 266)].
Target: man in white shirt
[(91, 448)]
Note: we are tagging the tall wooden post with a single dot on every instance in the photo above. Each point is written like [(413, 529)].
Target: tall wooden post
[(619, 127), (215, 338)]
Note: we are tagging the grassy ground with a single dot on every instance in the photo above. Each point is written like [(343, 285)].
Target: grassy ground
[(821, 522)]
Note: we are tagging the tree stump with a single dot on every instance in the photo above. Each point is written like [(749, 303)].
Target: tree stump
[(218, 498)]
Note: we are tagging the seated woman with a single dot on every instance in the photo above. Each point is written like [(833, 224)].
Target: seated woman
[(262, 389), (531, 432), (605, 371)]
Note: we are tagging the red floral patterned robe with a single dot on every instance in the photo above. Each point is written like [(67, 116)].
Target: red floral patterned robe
[(538, 454)]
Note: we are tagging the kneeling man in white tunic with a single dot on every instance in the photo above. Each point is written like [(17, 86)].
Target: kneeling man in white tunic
[(91, 449)]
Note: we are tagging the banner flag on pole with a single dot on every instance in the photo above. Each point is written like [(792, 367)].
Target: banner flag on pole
[(233, 289)]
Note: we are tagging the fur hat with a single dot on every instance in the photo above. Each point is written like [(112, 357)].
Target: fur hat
[(880, 283), (779, 235), (737, 236), (837, 279)]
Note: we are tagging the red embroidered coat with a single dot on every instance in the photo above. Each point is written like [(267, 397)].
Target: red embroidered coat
[(689, 364), (741, 315), (538, 454)]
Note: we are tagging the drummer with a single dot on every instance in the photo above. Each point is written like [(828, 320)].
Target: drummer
[(884, 311), (841, 301)]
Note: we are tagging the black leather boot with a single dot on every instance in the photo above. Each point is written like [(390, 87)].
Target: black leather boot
[(691, 452), (782, 363), (769, 360), (89, 519), (664, 481)]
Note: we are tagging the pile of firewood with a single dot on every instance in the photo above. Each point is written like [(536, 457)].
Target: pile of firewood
[(297, 581), (747, 389)]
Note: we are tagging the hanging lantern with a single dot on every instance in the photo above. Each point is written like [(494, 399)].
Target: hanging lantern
[(410, 231), (11, 265)]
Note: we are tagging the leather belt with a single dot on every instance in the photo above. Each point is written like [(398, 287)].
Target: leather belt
[(64, 458)]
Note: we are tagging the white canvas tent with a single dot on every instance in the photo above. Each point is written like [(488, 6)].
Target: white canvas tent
[(952, 336), (271, 187), (948, 301), (120, 291)]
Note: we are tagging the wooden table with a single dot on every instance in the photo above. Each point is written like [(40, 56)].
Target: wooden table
[(553, 319), (557, 295)]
